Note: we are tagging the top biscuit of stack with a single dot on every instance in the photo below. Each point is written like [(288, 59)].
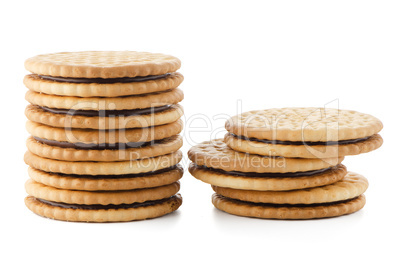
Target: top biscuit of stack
[(304, 132), (98, 86)]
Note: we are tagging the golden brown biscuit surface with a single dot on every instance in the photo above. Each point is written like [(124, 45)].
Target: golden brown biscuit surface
[(216, 154), (304, 124), (37, 114), (35, 83), (241, 208), (141, 101), (93, 136), (110, 215), (103, 168), (222, 179), (351, 186), (303, 151), (107, 182), (102, 64), (162, 147), (49, 193)]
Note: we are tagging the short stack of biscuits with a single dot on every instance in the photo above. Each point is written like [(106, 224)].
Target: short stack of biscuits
[(285, 163), (105, 135)]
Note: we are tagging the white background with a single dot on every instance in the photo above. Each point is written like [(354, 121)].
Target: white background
[(264, 54)]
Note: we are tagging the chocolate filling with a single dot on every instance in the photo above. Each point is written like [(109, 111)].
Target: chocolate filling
[(164, 170), (104, 81), (308, 143), (278, 175), (103, 207), (108, 113), (260, 204), (94, 146)]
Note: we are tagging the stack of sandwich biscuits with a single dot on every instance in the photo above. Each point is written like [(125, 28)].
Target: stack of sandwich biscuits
[(286, 163), (104, 144)]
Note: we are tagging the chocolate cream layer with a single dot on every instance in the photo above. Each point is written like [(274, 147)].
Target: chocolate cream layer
[(94, 146), (108, 113), (103, 207), (277, 175), (96, 177), (288, 205), (308, 143), (104, 81)]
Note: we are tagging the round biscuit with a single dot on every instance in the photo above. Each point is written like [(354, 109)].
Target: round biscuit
[(102, 64), (111, 215), (304, 124), (36, 114), (141, 101), (162, 147), (216, 154), (104, 182), (222, 179), (241, 208), (303, 151), (351, 186), (49, 193), (35, 83), (103, 168), (93, 136)]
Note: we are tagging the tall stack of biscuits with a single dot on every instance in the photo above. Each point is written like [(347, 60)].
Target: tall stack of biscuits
[(286, 163), (105, 135)]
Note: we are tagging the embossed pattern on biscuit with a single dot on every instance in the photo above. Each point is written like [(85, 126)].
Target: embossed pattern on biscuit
[(103, 215), (35, 83), (269, 211), (303, 151), (91, 136), (107, 182), (273, 183), (351, 186), (304, 124), (151, 149), (37, 114), (102, 64), (216, 154), (139, 101), (42, 191)]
